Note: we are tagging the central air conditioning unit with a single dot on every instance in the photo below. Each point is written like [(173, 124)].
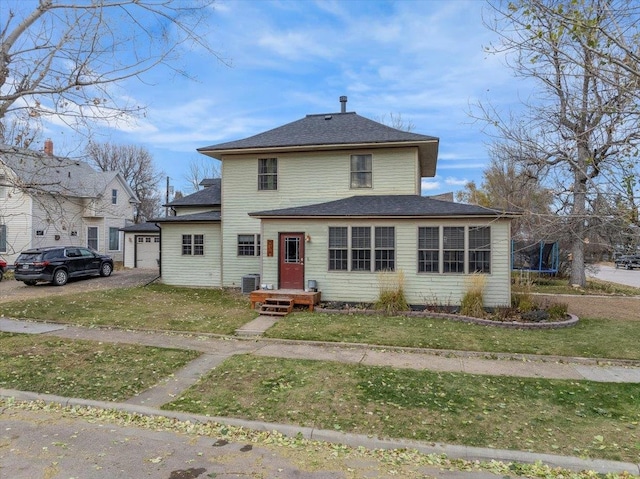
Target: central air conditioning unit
[(250, 282)]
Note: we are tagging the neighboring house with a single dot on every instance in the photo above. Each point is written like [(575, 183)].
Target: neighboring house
[(46, 200), (335, 198)]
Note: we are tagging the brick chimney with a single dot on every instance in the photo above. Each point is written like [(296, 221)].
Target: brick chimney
[(48, 147)]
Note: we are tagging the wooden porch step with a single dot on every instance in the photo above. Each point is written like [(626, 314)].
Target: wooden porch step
[(276, 306)]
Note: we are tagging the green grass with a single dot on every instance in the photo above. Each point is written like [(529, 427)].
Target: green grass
[(552, 416), (150, 307), (84, 369), (615, 339)]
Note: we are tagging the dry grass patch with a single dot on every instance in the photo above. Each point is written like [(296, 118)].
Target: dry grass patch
[(551, 416)]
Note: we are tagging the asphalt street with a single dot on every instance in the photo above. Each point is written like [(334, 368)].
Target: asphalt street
[(628, 277)]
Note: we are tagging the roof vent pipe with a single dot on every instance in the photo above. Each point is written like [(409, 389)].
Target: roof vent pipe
[(343, 104)]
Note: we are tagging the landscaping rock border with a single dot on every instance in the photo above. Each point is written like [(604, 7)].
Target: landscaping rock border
[(571, 321)]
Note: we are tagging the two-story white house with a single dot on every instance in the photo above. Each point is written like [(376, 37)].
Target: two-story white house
[(47, 200), (335, 198)]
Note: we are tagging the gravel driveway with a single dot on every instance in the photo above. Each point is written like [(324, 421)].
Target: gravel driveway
[(10, 289)]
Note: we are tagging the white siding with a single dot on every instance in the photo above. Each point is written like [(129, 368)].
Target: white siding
[(190, 270), (303, 179), (15, 213), (420, 288)]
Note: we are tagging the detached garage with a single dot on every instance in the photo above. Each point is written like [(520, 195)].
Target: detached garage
[(142, 246)]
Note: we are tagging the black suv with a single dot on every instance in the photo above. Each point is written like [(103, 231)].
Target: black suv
[(58, 264)]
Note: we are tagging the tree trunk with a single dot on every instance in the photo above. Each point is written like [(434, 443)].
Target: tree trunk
[(578, 215)]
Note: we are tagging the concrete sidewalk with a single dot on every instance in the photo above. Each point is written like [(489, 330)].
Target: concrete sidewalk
[(216, 349)]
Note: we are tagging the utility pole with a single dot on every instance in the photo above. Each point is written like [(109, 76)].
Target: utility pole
[(166, 208)]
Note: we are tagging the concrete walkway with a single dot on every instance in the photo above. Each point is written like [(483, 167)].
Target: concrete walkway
[(216, 349)]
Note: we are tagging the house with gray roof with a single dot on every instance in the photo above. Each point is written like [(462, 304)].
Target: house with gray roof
[(334, 200), (46, 200)]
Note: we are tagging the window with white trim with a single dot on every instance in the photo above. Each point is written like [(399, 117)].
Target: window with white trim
[(4, 186), (249, 245), (385, 240), (429, 249), (354, 249), (479, 249), (453, 249), (114, 197), (114, 239), (192, 245), (458, 248), (338, 248), (360, 248), (267, 174), (361, 171), (92, 237), (3, 238)]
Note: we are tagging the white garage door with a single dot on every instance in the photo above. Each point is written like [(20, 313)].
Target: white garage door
[(147, 251)]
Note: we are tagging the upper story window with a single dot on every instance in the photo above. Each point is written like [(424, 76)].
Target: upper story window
[(268, 174), (114, 197), (361, 171)]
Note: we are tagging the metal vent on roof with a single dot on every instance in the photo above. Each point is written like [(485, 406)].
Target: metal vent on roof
[(328, 117)]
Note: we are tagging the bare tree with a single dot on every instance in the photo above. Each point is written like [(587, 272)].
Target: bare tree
[(579, 130), (135, 164), (396, 121), (200, 169), (509, 186), (63, 58)]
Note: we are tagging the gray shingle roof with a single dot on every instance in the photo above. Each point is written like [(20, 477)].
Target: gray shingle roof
[(209, 216), (141, 228), (41, 172), (208, 196), (392, 206), (330, 131)]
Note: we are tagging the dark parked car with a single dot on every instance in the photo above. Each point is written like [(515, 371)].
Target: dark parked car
[(58, 264), (3, 268), (628, 261)]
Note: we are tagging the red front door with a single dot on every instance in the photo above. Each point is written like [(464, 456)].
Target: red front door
[(291, 257)]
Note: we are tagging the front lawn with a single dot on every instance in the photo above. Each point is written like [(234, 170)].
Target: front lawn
[(84, 369), (150, 307), (577, 418), (590, 338), (222, 312)]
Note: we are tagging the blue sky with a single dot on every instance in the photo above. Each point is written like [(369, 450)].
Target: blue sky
[(421, 59)]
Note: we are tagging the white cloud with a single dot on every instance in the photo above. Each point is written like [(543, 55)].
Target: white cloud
[(430, 185), (451, 181)]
